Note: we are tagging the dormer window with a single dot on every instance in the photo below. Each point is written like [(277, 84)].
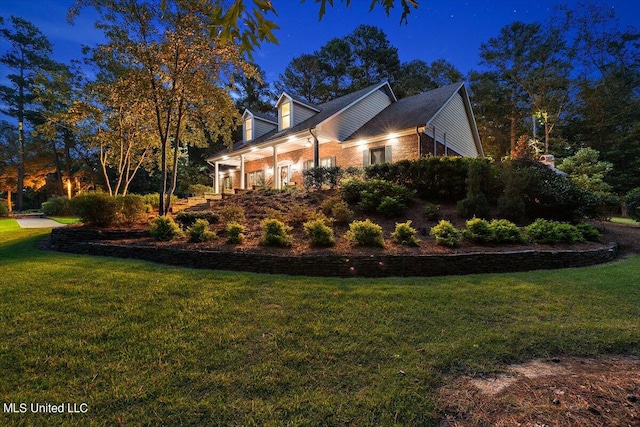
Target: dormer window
[(285, 115), (248, 129)]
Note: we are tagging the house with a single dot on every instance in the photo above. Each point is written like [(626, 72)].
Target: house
[(362, 128)]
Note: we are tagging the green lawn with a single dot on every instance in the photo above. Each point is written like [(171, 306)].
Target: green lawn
[(145, 344), (65, 220), (627, 221), (8, 224)]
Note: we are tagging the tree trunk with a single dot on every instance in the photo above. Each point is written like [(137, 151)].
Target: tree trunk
[(513, 140)]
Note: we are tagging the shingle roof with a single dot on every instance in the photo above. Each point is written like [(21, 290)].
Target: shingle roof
[(406, 113), (266, 117), (327, 110)]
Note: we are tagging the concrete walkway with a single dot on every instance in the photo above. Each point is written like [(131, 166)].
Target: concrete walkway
[(38, 223)]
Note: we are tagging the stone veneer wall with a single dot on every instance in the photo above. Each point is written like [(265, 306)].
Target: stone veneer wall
[(79, 240)]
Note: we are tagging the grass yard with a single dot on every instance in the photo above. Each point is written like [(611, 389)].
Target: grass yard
[(625, 221), (146, 344), (65, 220), (8, 224)]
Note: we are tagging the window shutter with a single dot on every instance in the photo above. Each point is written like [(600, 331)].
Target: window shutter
[(387, 154), (366, 158), (333, 161)]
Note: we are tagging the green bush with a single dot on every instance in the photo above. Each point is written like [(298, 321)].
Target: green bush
[(478, 231), (131, 208), (404, 234), (511, 204), (548, 231), (57, 206), (336, 208), (96, 209), (445, 233), (377, 195), (391, 207), (153, 200), (365, 233), (235, 233), (164, 229), (187, 219), (588, 231), (316, 178), (552, 196), (4, 210), (275, 233), (632, 202), (319, 233), (298, 214), (232, 213), (199, 190), (432, 211), (476, 203), (199, 232), (505, 231)]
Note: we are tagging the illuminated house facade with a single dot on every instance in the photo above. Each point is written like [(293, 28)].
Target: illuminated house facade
[(365, 127)]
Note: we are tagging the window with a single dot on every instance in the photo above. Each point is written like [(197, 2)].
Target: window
[(227, 183), (248, 129), (255, 179), (377, 156), (325, 162), (285, 115)]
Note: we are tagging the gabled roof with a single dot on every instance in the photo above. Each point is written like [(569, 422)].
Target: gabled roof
[(261, 116), (297, 101), (407, 113), (326, 110)]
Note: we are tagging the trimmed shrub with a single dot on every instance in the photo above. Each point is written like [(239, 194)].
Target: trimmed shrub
[(96, 209), (336, 208), (405, 234), (588, 231), (131, 208), (4, 210), (199, 190), (153, 200), (298, 214), (316, 178), (632, 202), (511, 204), (365, 233), (59, 206), (232, 213), (164, 229), (391, 207), (235, 233), (445, 233), (199, 232), (275, 233), (476, 203), (478, 231), (187, 219), (377, 195), (319, 233), (547, 231), (432, 211), (505, 231)]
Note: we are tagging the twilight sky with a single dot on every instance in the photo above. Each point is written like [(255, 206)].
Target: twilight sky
[(450, 29)]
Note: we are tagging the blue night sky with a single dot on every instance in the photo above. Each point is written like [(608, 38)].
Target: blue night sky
[(449, 29)]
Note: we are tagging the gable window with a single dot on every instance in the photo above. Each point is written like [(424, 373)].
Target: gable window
[(285, 115), (248, 129)]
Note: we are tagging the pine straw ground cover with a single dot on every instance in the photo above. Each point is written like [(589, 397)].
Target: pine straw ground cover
[(290, 207), (146, 344)]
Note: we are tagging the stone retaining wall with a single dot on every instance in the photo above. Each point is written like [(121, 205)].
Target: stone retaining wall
[(76, 240)]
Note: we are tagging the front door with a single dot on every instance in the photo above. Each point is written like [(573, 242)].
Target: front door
[(284, 174)]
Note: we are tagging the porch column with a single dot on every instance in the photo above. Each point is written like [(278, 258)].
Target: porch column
[(243, 184), (216, 178), (276, 178)]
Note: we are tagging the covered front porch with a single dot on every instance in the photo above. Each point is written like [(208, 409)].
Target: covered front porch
[(275, 165)]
